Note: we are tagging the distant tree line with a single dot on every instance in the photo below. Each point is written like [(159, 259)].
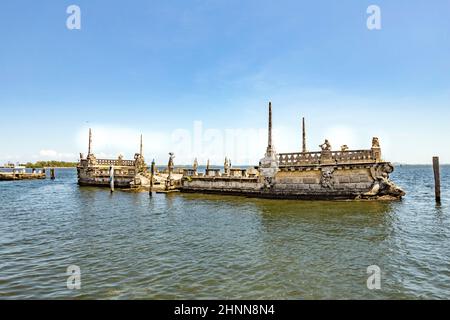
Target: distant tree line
[(52, 163)]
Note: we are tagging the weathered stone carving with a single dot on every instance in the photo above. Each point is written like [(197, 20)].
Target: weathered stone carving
[(376, 150), (326, 155), (326, 146), (375, 142), (120, 160), (92, 160), (344, 147), (226, 166), (327, 180), (268, 166), (139, 163), (382, 186), (268, 183), (381, 170), (170, 166), (195, 166)]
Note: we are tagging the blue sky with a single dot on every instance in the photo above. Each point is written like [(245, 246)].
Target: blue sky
[(161, 67)]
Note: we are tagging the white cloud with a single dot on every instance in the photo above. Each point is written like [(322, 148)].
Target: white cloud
[(47, 154)]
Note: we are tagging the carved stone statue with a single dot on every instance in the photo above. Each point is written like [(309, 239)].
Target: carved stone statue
[(327, 180), (325, 155), (375, 142), (344, 147), (326, 146), (139, 162), (226, 166), (92, 159), (382, 186), (195, 166), (170, 166)]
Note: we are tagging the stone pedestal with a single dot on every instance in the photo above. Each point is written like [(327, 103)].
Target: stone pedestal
[(376, 153), (268, 168), (325, 157)]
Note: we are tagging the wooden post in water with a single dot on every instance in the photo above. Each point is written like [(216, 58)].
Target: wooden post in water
[(152, 171), (437, 179), (52, 173), (111, 178), (303, 136)]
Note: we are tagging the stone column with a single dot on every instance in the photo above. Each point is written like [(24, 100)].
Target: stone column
[(268, 167), (270, 149), (376, 149), (90, 142), (303, 136)]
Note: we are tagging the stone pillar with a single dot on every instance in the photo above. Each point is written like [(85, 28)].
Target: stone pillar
[(376, 149), (90, 142), (303, 136), (268, 167), (270, 148)]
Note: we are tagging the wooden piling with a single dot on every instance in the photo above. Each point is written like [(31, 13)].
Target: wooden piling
[(152, 171), (111, 178), (437, 179), (303, 136), (52, 173)]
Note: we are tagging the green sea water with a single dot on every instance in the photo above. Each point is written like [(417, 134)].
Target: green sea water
[(192, 246)]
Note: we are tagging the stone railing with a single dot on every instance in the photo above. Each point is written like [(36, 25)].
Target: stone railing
[(115, 162), (298, 158), (315, 158)]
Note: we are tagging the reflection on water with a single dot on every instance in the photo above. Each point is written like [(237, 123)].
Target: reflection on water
[(207, 246)]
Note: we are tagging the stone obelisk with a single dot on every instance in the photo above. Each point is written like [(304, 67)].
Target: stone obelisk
[(269, 165), (303, 136), (90, 141)]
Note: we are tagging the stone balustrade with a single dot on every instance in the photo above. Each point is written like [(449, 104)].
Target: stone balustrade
[(115, 162), (317, 158)]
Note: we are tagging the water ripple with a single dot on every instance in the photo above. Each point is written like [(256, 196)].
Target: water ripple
[(175, 246)]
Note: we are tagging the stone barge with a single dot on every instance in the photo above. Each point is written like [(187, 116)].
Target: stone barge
[(125, 174), (99, 172), (21, 174), (322, 175)]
